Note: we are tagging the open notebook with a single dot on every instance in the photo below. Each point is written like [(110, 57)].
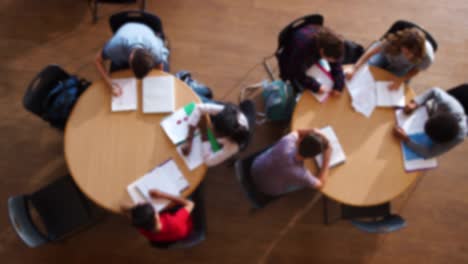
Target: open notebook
[(337, 155), (413, 125), (321, 75), (388, 98), (158, 94), (128, 101), (176, 125), (166, 177)]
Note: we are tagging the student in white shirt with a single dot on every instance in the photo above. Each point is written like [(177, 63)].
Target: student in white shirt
[(230, 126)]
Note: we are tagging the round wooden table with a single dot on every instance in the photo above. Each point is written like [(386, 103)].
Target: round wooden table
[(106, 151), (373, 172)]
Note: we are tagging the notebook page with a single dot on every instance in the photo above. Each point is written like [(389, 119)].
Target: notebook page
[(337, 155), (195, 158), (323, 78), (362, 90), (389, 98), (128, 100), (158, 94)]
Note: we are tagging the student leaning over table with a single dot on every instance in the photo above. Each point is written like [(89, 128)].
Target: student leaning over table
[(403, 53), (230, 126), (281, 170), (308, 46), (446, 126), (134, 45), (164, 227)]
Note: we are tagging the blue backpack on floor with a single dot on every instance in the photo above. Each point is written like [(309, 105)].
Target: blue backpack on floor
[(61, 99), (279, 100)]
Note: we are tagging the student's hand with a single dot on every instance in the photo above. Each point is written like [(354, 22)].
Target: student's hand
[(394, 86), (349, 74), (410, 107), (153, 193), (187, 148), (322, 89), (116, 90), (335, 93), (399, 133)]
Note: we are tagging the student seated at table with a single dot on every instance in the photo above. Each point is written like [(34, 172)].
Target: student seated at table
[(310, 44), (403, 53), (281, 169), (446, 126), (230, 126), (164, 227), (134, 45)]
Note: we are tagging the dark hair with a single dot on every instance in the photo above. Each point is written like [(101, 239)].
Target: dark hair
[(226, 123), (442, 128), (142, 216), (332, 44), (141, 63), (310, 146)]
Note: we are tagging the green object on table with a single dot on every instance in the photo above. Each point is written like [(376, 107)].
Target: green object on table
[(212, 139), (189, 108)]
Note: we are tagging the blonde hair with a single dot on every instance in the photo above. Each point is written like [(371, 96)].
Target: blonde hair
[(411, 38)]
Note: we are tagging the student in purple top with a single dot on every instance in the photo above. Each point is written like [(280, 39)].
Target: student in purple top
[(281, 170), (309, 45)]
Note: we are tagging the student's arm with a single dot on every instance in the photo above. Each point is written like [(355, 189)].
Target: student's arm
[(434, 150), (188, 205), (115, 88), (228, 149), (323, 173), (374, 49), (336, 71), (187, 147), (397, 82)]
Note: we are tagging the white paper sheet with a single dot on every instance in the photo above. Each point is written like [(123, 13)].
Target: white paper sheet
[(413, 123), (158, 94), (323, 78), (195, 158), (176, 126), (362, 90), (128, 101), (337, 156), (387, 97)]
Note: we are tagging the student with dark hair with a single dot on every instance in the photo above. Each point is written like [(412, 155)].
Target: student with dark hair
[(230, 127), (281, 169), (403, 53), (134, 45), (308, 45), (164, 227), (446, 126)]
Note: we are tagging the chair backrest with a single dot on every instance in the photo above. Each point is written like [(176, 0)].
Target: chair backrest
[(460, 92), (20, 218), (62, 207), (40, 87), (403, 24), (248, 108), (242, 169), (152, 21)]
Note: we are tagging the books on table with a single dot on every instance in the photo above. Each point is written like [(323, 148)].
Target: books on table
[(158, 94), (166, 178), (128, 100), (323, 76), (337, 154), (389, 98), (413, 125), (176, 125)]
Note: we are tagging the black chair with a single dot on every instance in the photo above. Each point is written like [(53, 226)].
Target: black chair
[(403, 24), (40, 87), (242, 168), (373, 219), (150, 20), (248, 108), (93, 4), (62, 210), (198, 234), (460, 92)]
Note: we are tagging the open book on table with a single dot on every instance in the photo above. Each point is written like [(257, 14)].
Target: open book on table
[(413, 125), (319, 72), (128, 100), (337, 155), (158, 94)]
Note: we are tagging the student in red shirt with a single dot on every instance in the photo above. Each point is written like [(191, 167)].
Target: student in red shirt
[(165, 227)]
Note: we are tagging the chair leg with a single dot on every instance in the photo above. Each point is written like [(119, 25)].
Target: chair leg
[(325, 210), (267, 68), (93, 5), (142, 5)]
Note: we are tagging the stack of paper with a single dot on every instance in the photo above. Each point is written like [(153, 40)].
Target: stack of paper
[(176, 125), (128, 100), (413, 125), (389, 98), (337, 155), (158, 94), (318, 72), (166, 178), (362, 90)]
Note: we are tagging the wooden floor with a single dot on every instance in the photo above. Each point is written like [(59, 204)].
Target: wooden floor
[(222, 42)]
